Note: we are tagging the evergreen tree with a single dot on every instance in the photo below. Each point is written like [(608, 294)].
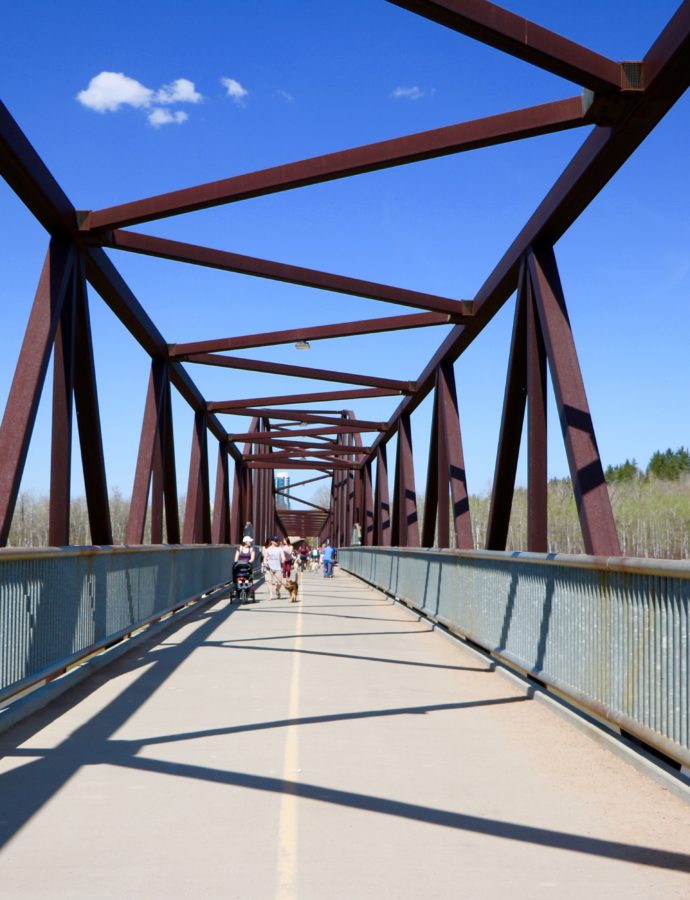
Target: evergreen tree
[(669, 465), (626, 471)]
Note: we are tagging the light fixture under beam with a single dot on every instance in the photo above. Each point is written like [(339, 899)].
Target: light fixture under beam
[(302, 345)]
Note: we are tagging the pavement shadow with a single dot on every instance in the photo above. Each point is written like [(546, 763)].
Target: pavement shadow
[(25, 790), (543, 837)]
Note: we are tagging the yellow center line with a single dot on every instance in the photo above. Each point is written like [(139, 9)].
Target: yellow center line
[(287, 827)]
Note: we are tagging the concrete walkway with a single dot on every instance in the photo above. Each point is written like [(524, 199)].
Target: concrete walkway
[(334, 748)]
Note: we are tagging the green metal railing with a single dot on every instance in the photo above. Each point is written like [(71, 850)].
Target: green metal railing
[(612, 635), (60, 605)]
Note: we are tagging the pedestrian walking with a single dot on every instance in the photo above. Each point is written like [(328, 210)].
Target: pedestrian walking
[(287, 558), (273, 558), (328, 552)]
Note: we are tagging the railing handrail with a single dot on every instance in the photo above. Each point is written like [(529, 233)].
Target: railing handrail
[(94, 550), (668, 568)]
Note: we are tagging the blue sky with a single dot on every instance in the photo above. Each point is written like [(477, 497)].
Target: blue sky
[(276, 82)]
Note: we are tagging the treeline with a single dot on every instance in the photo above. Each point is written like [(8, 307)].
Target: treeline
[(651, 508), (30, 521), (652, 518)]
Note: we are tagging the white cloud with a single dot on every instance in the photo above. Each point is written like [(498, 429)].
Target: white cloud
[(284, 95), (235, 90), (159, 116), (408, 93), (180, 91), (108, 91)]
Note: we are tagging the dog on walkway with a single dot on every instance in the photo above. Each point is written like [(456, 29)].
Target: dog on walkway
[(291, 586)]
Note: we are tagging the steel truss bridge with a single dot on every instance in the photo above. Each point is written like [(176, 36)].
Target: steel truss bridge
[(609, 634)]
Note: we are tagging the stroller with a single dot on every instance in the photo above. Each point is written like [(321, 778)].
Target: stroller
[(243, 582)]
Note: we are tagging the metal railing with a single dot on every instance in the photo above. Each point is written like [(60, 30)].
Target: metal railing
[(612, 635), (60, 605)]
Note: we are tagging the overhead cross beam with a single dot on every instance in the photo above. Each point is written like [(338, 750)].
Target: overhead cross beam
[(288, 399), (485, 132), (255, 365), (521, 38), (311, 418), (316, 333), (276, 271)]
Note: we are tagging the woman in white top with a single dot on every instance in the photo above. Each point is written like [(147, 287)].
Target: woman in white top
[(273, 558)]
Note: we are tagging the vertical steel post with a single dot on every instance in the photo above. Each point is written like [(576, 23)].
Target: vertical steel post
[(405, 524), (88, 421), (537, 477), (367, 505), (238, 515), (587, 474), (61, 435), (512, 418), (172, 514), (221, 505), (27, 384), (382, 508), (454, 458), (149, 452), (197, 518), (433, 481)]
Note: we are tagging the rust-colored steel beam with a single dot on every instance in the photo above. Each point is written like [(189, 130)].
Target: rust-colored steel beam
[(405, 526), (307, 481), (28, 176), (29, 377), (586, 472), (300, 500), (220, 527), (667, 77), (277, 433), (311, 419), (275, 271), (367, 505), (315, 333), (307, 445), (255, 365), (288, 399), (282, 456), (446, 470), (519, 37), (89, 422), (512, 420), (61, 431), (149, 457), (320, 465), (485, 132), (197, 519), (537, 472), (382, 506)]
